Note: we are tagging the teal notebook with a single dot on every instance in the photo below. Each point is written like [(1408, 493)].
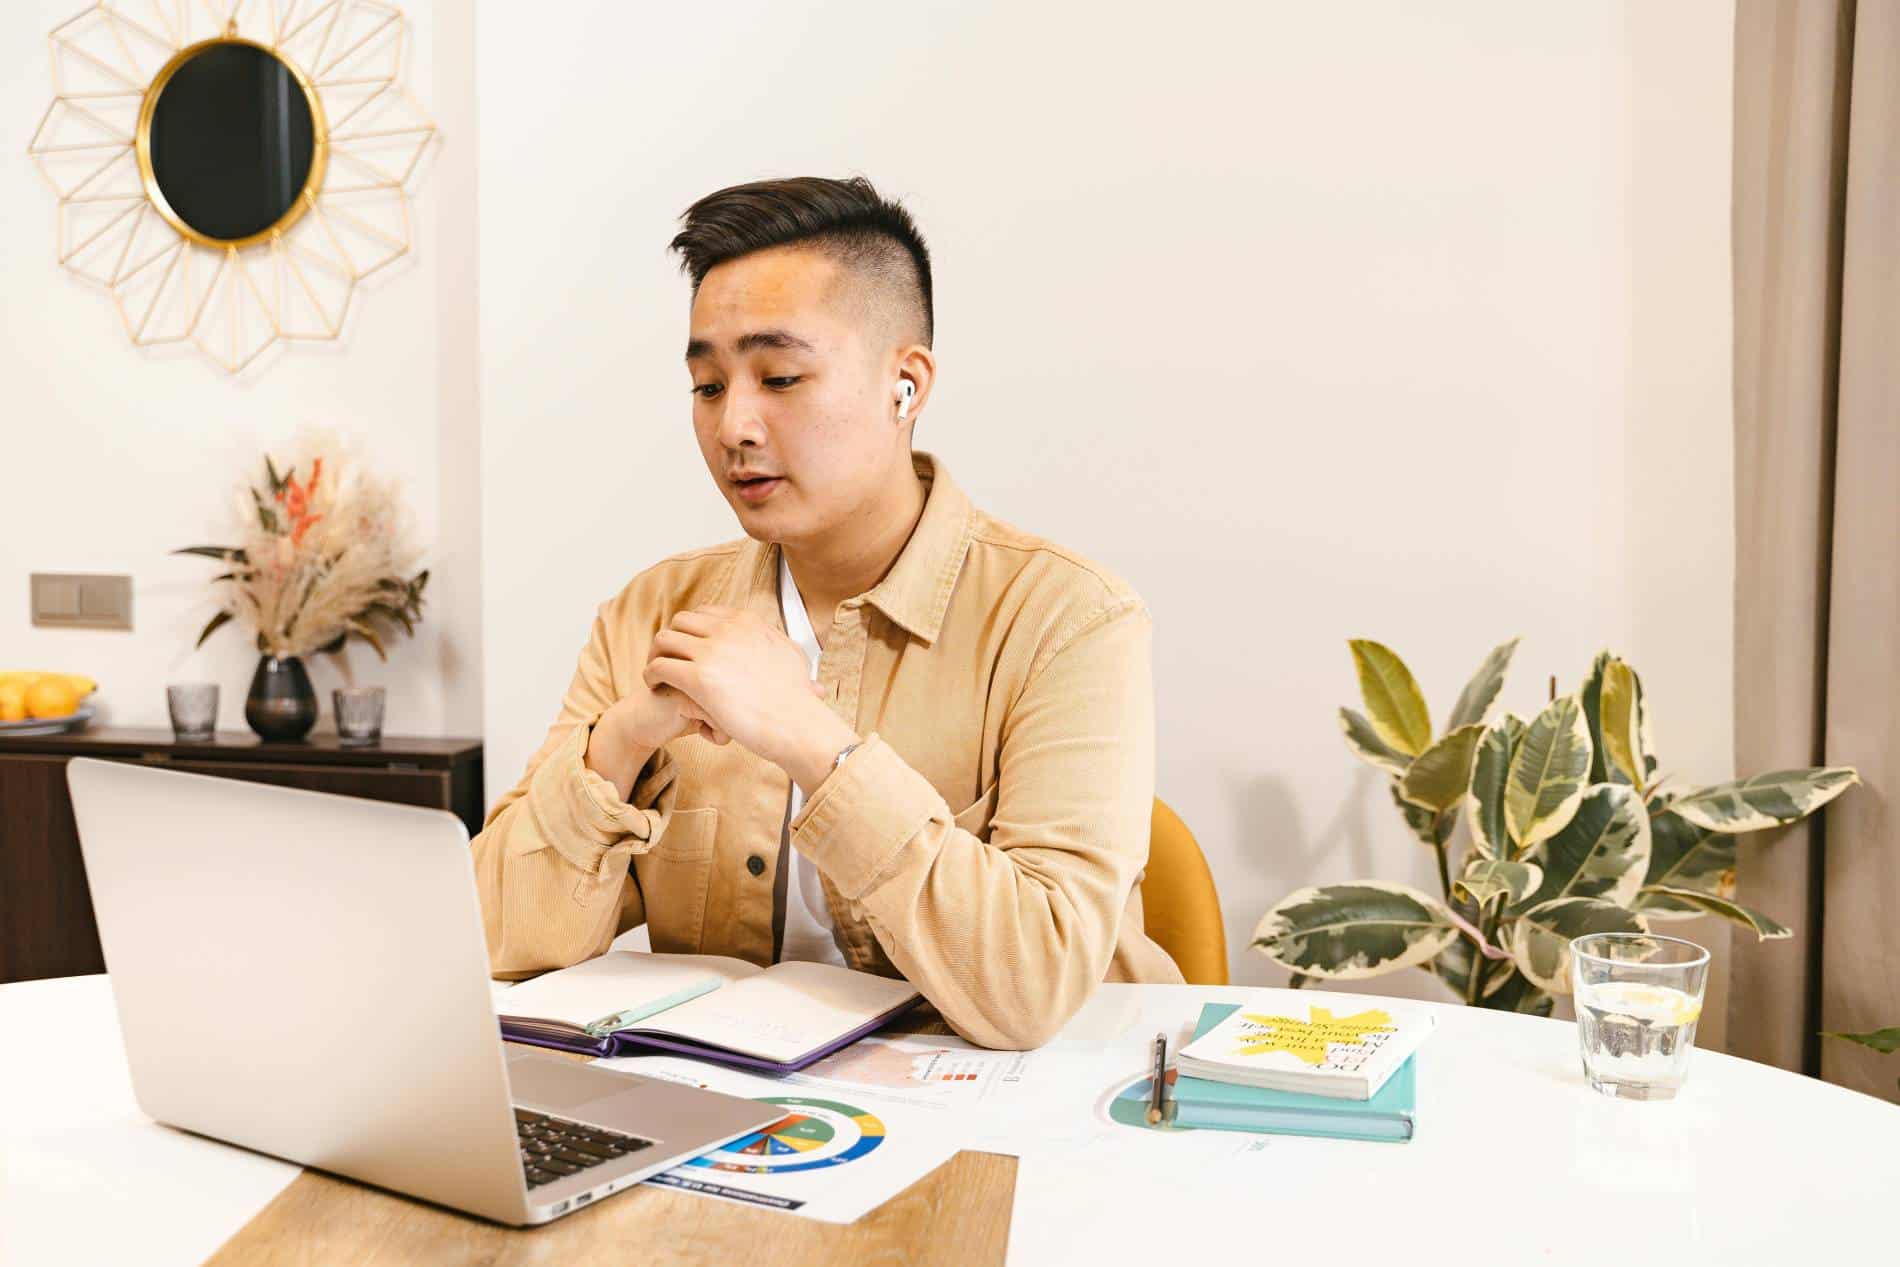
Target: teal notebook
[(1204, 1104)]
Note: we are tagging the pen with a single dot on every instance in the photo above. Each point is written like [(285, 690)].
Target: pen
[(1158, 1102)]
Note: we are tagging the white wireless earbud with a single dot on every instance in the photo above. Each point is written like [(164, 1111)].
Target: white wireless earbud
[(905, 390)]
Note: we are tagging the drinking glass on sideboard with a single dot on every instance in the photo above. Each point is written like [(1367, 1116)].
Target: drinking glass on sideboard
[(194, 710), (359, 715)]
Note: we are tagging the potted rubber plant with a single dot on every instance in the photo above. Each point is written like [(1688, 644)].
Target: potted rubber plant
[(1570, 826)]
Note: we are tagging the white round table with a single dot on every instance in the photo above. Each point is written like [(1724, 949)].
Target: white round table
[(1516, 1160)]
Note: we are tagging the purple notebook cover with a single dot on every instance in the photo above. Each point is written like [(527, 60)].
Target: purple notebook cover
[(632, 1043)]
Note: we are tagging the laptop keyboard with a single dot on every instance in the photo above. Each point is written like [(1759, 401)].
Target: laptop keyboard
[(554, 1148)]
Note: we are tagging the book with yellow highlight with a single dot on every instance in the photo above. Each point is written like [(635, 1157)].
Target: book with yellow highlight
[(1388, 1117), (1340, 1046)]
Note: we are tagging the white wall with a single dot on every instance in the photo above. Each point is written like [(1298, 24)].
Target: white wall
[(111, 455), (1395, 322), (1407, 322)]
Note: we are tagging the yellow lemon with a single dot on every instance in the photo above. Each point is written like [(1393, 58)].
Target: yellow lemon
[(51, 696), (12, 701)]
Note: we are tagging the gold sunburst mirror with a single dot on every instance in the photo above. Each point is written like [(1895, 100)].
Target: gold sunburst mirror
[(231, 172)]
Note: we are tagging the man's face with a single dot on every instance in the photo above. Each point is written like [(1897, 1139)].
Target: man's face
[(789, 381)]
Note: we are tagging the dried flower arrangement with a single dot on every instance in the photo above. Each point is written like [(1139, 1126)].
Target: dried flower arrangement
[(322, 559)]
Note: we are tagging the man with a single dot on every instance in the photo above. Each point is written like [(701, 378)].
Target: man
[(884, 729)]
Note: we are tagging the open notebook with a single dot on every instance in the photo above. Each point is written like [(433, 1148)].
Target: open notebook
[(775, 1019)]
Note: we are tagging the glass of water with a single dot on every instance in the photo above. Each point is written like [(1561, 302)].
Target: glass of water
[(194, 710), (359, 715), (1638, 999)]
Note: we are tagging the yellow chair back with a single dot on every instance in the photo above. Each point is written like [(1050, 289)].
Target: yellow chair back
[(1180, 906)]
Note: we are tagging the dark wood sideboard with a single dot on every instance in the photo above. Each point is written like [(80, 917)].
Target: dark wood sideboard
[(47, 927)]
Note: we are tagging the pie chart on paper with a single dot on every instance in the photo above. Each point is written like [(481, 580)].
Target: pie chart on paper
[(813, 1134)]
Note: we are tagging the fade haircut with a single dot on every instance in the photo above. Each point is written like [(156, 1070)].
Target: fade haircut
[(845, 219)]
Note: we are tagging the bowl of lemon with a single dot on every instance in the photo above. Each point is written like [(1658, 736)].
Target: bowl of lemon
[(36, 703)]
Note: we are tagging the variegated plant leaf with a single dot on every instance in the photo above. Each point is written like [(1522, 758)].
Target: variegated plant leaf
[(1490, 770), (1590, 695), (1646, 738), (1620, 715), (1393, 701), (1539, 940), (1453, 967), (1518, 995), (1764, 928), (1767, 800), (1547, 770), (1602, 769), (1662, 794), (1431, 829), (1684, 856), (1486, 878), (1656, 906), (1602, 852), (1504, 988), (1886, 1041), (1366, 744), (1356, 930), (1441, 774), (1422, 821), (1480, 692)]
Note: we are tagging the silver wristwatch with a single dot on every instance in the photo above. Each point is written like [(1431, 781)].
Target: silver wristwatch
[(843, 753)]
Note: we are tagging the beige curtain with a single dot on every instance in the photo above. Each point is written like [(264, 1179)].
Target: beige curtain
[(1817, 438)]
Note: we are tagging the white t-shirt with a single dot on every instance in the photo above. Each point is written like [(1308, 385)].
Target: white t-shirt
[(808, 923)]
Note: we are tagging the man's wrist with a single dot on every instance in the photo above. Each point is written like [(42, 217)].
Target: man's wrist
[(614, 758), (817, 755)]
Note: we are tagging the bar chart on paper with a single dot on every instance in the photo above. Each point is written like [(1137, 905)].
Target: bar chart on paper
[(920, 1071)]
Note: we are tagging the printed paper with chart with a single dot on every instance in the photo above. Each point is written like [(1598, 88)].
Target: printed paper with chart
[(835, 1155), (931, 1072)]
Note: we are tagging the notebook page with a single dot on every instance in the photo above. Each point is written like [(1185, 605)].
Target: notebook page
[(786, 1011), (619, 981)]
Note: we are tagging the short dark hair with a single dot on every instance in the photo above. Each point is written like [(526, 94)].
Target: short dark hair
[(846, 219)]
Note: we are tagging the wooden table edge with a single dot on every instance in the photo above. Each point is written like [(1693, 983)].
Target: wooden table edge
[(956, 1215)]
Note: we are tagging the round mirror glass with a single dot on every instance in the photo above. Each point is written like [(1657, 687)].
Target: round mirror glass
[(231, 140)]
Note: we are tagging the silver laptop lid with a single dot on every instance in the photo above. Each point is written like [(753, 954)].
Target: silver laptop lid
[(304, 975)]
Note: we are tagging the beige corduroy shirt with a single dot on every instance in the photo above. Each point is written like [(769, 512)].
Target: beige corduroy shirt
[(985, 841)]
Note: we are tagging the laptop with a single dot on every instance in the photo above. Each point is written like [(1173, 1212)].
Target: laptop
[(305, 975)]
